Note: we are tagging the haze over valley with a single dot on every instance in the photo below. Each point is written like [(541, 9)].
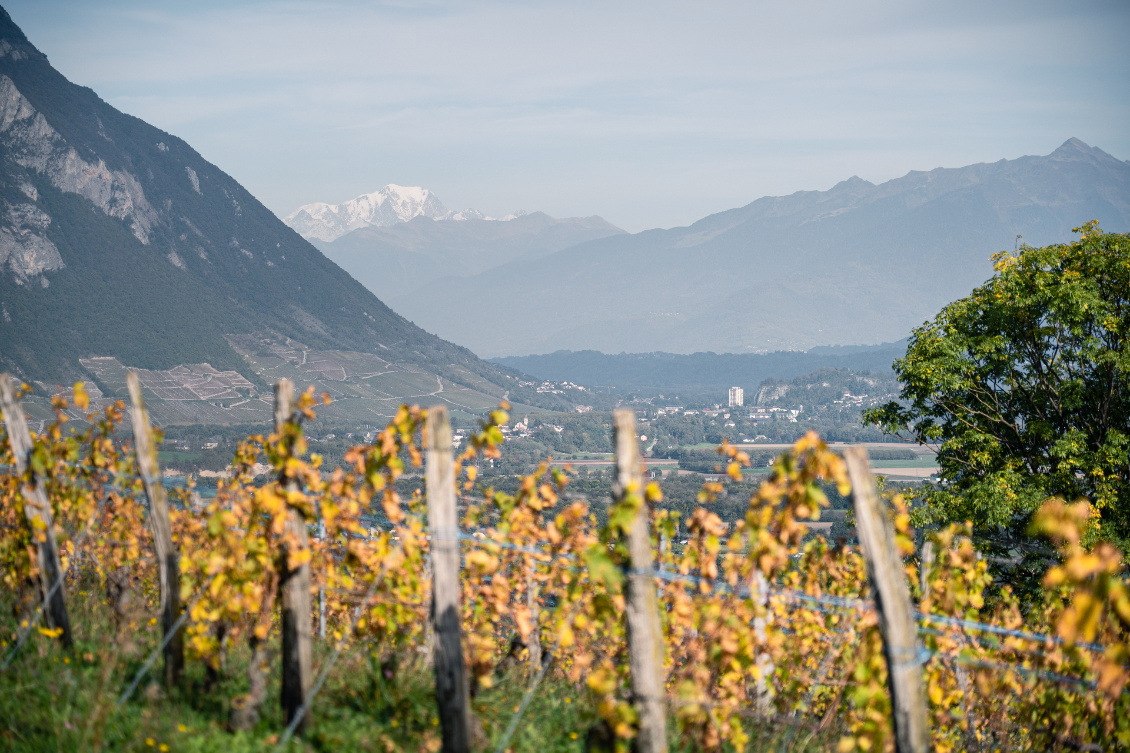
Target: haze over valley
[(398, 239), (548, 377), (123, 248), (856, 264)]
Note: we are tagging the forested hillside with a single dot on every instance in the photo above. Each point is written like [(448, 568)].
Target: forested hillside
[(698, 374)]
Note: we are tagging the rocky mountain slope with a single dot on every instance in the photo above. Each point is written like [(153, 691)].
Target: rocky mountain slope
[(120, 244), (859, 263)]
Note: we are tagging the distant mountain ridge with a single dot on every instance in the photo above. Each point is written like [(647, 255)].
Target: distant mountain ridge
[(699, 372), (386, 206), (121, 247), (399, 239), (856, 264), (405, 256)]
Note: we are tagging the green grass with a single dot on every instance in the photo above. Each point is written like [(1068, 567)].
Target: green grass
[(922, 461), (67, 701)]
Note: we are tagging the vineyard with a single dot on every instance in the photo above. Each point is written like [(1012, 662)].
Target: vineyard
[(460, 617)]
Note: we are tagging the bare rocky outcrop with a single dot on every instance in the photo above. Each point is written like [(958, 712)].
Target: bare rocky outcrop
[(32, 143), (192, 178), (24, 247), (7, 50)]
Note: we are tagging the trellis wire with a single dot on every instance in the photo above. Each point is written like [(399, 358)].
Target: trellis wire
[(819, 602), (125, 696), (31, 622), (826, 667), (822, 603), (34, 619), (850, 604), (547, 659), (325, 671), (829, 604)]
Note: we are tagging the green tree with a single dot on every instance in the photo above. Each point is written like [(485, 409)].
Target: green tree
[(1025, 384)]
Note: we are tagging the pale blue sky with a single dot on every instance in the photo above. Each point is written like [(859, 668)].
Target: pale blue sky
[(651, 114)]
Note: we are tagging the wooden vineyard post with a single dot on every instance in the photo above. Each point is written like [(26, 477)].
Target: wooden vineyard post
[(896, 611), (645, 637), (534, 660), (925, 564), (168, 559), (295, 587), (321, 590), (429, 647), (452, 686), (37, 509)]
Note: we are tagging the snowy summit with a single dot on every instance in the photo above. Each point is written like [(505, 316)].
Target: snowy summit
[(386, 206)]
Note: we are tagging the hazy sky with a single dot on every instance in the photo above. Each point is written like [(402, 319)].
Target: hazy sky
[(651, 114)]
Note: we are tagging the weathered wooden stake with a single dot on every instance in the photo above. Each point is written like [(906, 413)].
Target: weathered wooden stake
[(896, 611), (645, 637), (37, 509), (533, 664), (295, 588), (321, 590), (925, 564), (428, 649), (168, 559), (453, 689)]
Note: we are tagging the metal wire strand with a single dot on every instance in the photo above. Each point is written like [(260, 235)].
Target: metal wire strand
[(547, 659), (31, 622), (325, 671)]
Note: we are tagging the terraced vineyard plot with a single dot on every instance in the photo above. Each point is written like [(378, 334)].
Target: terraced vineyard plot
[(184, 382), (458, 397), (364, 387), (474, 381), (406, 383)]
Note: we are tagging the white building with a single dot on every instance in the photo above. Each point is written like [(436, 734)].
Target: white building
[(737, 397)]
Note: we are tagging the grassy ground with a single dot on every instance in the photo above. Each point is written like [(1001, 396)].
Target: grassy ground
[(922, 461), (67, 701)]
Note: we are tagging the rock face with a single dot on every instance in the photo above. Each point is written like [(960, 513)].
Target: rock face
[(118, 240), (25, 251), (30, 142)]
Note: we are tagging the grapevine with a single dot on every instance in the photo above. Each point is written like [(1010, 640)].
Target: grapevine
[(763, 623)]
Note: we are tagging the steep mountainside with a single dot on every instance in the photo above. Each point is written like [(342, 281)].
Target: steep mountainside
[(859, 263), (407, 256), (119, 243)]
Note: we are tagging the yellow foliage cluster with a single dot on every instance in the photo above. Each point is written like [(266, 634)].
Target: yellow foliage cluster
[(760, 619), (93, 489)]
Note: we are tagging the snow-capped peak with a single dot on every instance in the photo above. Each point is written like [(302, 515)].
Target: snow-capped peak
[(386, 206), (475, 214), (466, 214)]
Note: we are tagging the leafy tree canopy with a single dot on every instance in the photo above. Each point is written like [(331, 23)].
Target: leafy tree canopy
[(1025, 385)]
